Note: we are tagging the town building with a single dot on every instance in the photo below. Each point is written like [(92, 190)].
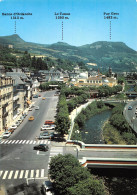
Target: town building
[(6, 102)]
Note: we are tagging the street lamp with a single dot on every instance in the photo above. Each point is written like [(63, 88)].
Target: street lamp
[(77, 132), (133, 122)]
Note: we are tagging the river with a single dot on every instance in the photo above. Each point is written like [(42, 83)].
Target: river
[(92, 132)]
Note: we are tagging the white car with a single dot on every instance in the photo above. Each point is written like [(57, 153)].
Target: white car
[(47, 127), (6, 134), (13, 127), (37, 108), (17, 123), (30, 109)]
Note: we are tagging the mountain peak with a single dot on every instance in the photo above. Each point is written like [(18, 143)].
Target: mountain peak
[(11, 39)]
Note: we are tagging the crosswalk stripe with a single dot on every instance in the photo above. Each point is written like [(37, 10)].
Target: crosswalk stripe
[(10, 175), (31, 173), (23, 142), (16, 174), (26, 174), (21, 174), (2, 141), (42, 172), (1, 173), (9, 141), (6, 141), (5, 175), (37, 173)]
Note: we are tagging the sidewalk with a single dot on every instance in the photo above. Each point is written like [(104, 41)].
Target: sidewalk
[(16, 119)]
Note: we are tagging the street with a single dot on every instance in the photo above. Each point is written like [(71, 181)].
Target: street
[(19, 163)]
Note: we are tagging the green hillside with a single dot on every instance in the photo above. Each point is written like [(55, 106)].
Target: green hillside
[(115, 54)]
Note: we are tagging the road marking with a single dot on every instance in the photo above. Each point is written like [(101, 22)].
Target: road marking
[(23, 142), (37, 152), (26, 174), (16, 174), (1, 173), (6, 141), (27, 141), (37, 173), (20, 141), (17, 141), (34, 142), (42, 172), (2, 141), (13, 141), (21, 174), (31, 142), (10, 175), (41, 142), (9, 141), (31, 173), (5, 175)]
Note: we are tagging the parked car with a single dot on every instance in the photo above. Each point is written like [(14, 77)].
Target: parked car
[(7, 134), (25, 114), (17, 123), (42, 147), (130, 108), (37, 108), (46, 135), (30, 108), (31, 118), (49, 122), (13, 127), (35, 96), (10, 130), (48, 127), (47, 188), (20, 121)]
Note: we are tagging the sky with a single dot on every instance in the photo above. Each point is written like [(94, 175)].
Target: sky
[(87, 21)]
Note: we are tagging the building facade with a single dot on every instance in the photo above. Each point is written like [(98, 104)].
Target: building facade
[(6, 102)]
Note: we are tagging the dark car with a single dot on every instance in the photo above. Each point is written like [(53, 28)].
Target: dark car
[(35, 96), (42, 147), (130, 108)]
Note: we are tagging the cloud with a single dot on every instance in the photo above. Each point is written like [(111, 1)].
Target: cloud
[(1, 0)]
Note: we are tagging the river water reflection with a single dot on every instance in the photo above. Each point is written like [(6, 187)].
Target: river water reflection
[(92, 132)]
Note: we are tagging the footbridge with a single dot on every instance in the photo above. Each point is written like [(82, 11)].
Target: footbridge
[(106, 156)]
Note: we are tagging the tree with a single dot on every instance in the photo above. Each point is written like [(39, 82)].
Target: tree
[(100, 104), (34, 62), (89, 186), (62, 119), (67, 173)]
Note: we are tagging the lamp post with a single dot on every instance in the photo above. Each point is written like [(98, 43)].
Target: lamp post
[(133, 122), (77, 132)]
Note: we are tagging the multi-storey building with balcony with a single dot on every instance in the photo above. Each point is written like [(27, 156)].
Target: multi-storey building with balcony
[(6, 102)]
